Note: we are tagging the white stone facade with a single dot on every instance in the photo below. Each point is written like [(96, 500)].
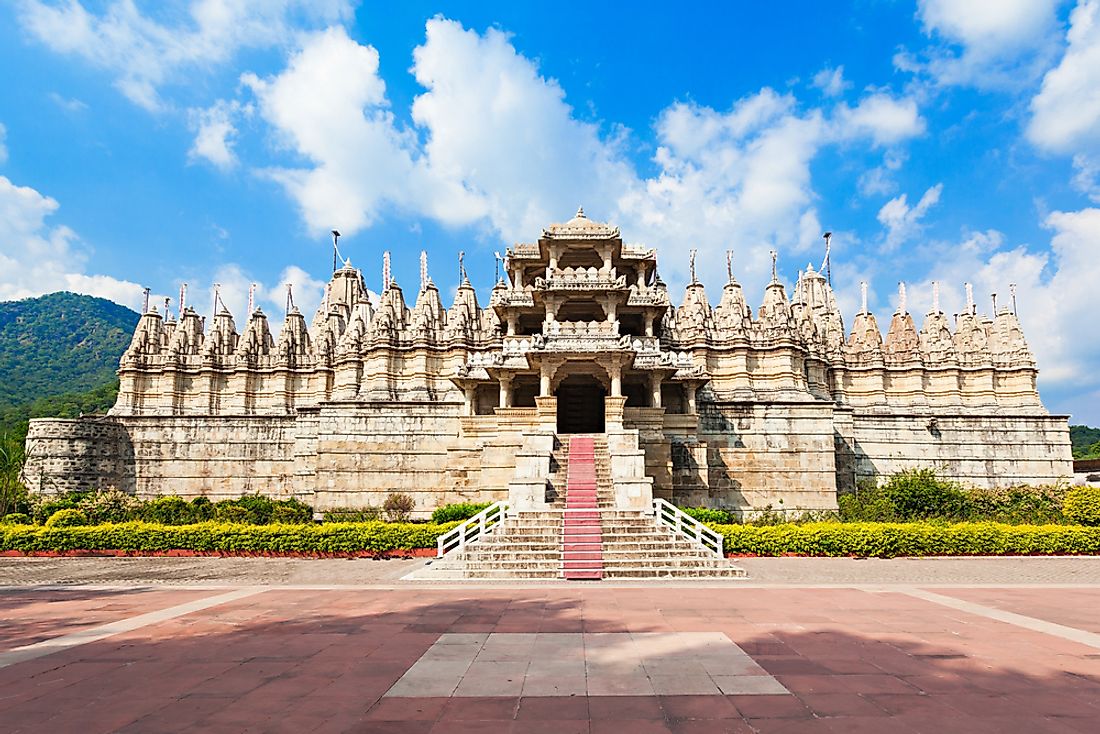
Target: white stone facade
[(718, 406)]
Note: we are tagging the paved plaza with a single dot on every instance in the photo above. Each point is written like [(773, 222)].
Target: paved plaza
[(822, 645)]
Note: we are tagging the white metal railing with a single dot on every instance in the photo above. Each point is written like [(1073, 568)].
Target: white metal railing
[(688, 527), (473, 529)]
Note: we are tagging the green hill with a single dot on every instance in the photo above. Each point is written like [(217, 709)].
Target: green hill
[(60, 343), (1086, 442)]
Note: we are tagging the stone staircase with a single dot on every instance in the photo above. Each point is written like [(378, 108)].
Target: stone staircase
[(581, 536)]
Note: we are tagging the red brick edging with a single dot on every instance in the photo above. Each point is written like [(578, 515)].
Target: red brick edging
[(180, 553)]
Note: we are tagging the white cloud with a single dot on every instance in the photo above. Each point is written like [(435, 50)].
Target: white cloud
[(145, 54), (330, 107), (1066, 111), (1055, 292), (505, 138), (214, 134), (903, 222), (71, 105), (38, 258), (985, 43), (496, 143), (831, 81), (884, 119), (233, 284)]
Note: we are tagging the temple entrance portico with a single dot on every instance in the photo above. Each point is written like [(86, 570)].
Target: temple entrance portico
[(580, 401)]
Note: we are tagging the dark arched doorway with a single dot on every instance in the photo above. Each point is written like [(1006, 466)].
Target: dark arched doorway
[(581, 405)]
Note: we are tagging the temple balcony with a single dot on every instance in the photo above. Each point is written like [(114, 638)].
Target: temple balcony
[(582, 279), (512, 298)]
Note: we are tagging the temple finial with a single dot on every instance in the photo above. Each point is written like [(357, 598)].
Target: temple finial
[(462, 268), (901, 298), (729, 266), (935, 296), (423, 269), (385, 270), (994, 303), (1012, 290), (863, 296), (775, 267), (580, 213), (970, 307), (251, 298), (691, 265)]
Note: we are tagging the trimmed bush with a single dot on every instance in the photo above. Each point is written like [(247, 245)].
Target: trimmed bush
[(458, 511), (886, 540), (168, 510), (1082, 504), (109, 505), (202, 509), (291, 514), (347, 514), (709, 514), (918, 494), (259, 510), (67, 518), (17, 518), (398, 506), (230, 512), (373, 537)]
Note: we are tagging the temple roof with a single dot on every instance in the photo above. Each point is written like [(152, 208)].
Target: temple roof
[(580, 227)]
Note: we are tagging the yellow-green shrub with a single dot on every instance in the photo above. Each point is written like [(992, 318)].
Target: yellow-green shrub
[(887, 540), (376, 537), (1082, 504)]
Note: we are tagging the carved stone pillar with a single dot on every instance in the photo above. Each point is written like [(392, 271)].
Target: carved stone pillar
[(506, 392), (471, 400), (689, 391), (616, 373), (655, 390), (649, 323)]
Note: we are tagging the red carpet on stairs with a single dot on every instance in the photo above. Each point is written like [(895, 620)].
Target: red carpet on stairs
[(582, 540)]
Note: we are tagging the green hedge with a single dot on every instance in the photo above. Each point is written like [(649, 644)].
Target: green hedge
[(886, 540), (375, 537)]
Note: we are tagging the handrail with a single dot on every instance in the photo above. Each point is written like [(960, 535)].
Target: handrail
[(688, 527), (473, 529)]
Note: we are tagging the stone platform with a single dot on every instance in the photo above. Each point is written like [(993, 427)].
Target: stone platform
[(862, 656)]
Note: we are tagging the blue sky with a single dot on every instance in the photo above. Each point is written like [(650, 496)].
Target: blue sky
[(148, 144)]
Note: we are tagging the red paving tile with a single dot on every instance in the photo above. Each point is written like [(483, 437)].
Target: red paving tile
[(28, 615), (1038, 603), (291, 660)]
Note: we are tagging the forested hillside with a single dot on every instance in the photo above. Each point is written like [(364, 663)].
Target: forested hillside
[(60, 343), (1086, 442)]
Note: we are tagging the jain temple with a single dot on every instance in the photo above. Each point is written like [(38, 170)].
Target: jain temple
[(725, 404)]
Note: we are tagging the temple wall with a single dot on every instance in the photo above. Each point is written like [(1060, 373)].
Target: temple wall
[(747, 456), (366, 451), (981, 450), (153, 455)]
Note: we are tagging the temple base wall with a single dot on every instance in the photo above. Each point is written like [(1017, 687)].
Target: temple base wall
[(149, 456), (744, 457), (975, 450)]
